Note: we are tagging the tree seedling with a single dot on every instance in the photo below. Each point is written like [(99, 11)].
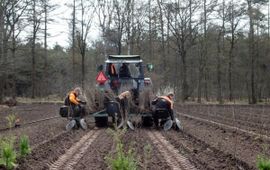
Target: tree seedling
[(24, 146), (121, 160), (8, 154), (263, 163), (11, 118)]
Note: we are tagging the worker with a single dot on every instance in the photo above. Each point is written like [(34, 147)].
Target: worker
[(124, 100), (163, 108), (124, 71), (114, 83), (78, 110), (112, 70)]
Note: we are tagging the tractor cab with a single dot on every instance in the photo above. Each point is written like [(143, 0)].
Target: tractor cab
[(125, 72)]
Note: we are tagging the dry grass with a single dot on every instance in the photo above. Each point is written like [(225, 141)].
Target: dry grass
[(48, 99)]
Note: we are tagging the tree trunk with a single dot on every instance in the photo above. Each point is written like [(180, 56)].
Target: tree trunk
[(252, 54), (162, 38), (1, 49), (231, 54), (128, 26), (150, 31), (83, 45), (73, 41), (184, 82), (45, 49), (33, 51), (205, 57), (13, 51)]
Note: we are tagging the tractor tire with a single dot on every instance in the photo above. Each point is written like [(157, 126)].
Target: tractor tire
[(147, 121), (101, 121)]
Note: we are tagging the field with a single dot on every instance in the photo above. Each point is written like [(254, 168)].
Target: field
[(214, 137)]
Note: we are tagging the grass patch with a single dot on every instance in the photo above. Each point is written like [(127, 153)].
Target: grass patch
[(48, 99)]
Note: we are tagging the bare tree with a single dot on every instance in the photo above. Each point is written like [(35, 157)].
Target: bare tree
[(161, 11), (87, 12), (18, 8), (2, 6), (234, 16), (35, 19), (104, 10), (220, 52), (251, 11), (47, 9), (119, 20), (73, 39), (208, 8), (180, 28), (10, 27)]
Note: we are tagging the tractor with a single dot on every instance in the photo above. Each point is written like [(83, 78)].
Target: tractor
[(121, 73)]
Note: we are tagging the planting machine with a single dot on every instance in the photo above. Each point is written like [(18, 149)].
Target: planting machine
[(118, 74)]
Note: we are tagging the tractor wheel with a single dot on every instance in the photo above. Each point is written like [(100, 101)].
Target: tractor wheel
[(101, 121), (147, 121)]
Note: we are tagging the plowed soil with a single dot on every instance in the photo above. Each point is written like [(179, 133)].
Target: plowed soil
[(203, 144)]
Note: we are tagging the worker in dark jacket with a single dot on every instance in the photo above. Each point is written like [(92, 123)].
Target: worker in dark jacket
[(163, 108), (124, 71)]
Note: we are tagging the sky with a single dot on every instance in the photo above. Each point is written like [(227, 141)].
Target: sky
[(59, 28)]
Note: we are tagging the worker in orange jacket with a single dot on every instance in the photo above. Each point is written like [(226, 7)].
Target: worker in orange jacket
[(75, 103), (163, 108), (78, 110)]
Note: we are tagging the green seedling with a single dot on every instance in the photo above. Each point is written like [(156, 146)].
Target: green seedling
[(263, 163), (11, 118), (24, 146), (147, 149), (121, 160), (8, 154)]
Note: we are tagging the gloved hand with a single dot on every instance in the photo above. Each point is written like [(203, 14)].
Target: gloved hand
[(82, 102)]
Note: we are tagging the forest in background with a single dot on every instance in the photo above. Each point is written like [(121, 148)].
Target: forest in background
[(206, 50)]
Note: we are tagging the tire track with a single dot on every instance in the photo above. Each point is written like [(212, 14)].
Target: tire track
[(75, 153), (173, 158)]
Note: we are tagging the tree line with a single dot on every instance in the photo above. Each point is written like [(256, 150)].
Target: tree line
[(203, 49)]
